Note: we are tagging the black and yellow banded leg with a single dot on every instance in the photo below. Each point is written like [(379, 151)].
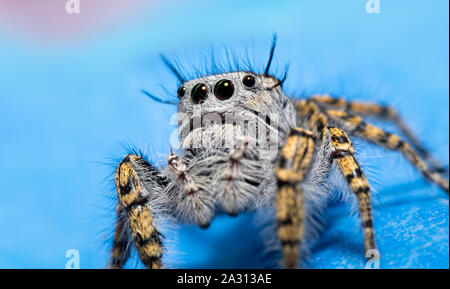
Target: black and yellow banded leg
[(121, 247), (309, 112), (392, 142), (382, 112), (342, 153), (133, 197), (292, 166), (358, 107)]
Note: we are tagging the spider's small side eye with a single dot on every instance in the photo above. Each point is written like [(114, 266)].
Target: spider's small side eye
[(224, 89), (181, 91), (199, 93), (249, 80)]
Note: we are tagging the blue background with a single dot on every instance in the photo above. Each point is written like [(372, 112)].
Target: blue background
[(66, 109)]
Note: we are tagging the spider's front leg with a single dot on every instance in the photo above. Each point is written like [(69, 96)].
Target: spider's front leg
[(121, 243), (292, 167), (138, 184)]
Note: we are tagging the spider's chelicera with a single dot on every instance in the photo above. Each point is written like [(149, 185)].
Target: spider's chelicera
[(244, 145)]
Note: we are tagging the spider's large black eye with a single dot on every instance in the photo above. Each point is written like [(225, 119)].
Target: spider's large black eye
[(181, 91), (248, 80), (224, 89), (199, 93)]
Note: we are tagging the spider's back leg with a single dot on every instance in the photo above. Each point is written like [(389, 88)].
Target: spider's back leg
[(382, 112), (390, 141)]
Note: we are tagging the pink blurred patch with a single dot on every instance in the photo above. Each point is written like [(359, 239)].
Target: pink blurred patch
[(48, 21)]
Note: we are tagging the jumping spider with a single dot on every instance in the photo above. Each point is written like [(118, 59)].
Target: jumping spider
[(244, 145)]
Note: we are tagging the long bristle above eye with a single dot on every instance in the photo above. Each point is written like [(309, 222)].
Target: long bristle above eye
[(226, 61), (283, 79), (272, 51), (173, 69), (157, 99)]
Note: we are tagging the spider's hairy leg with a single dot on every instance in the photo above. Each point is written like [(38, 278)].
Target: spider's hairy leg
[(292, 166), (132, 181), (309, 112), (382, 112), (392, 142), (121, 247), (342, 153)]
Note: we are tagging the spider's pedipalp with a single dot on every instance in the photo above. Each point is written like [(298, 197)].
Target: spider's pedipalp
[(390, 141), (189, 193), (237, 180), (383, 112)]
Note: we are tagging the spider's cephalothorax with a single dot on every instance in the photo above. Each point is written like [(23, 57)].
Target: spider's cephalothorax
[(244, 144)]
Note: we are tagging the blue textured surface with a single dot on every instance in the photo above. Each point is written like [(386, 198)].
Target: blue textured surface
[(65, 108)]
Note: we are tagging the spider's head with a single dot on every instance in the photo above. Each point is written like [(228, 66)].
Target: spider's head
[(230, 101), (224, 106), (218, 93)]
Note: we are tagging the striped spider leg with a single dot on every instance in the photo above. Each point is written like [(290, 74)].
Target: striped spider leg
[(138, 184), (293, 165), (382, 112), (121, 246), (144, 192), (389, 141), (299, 152)]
